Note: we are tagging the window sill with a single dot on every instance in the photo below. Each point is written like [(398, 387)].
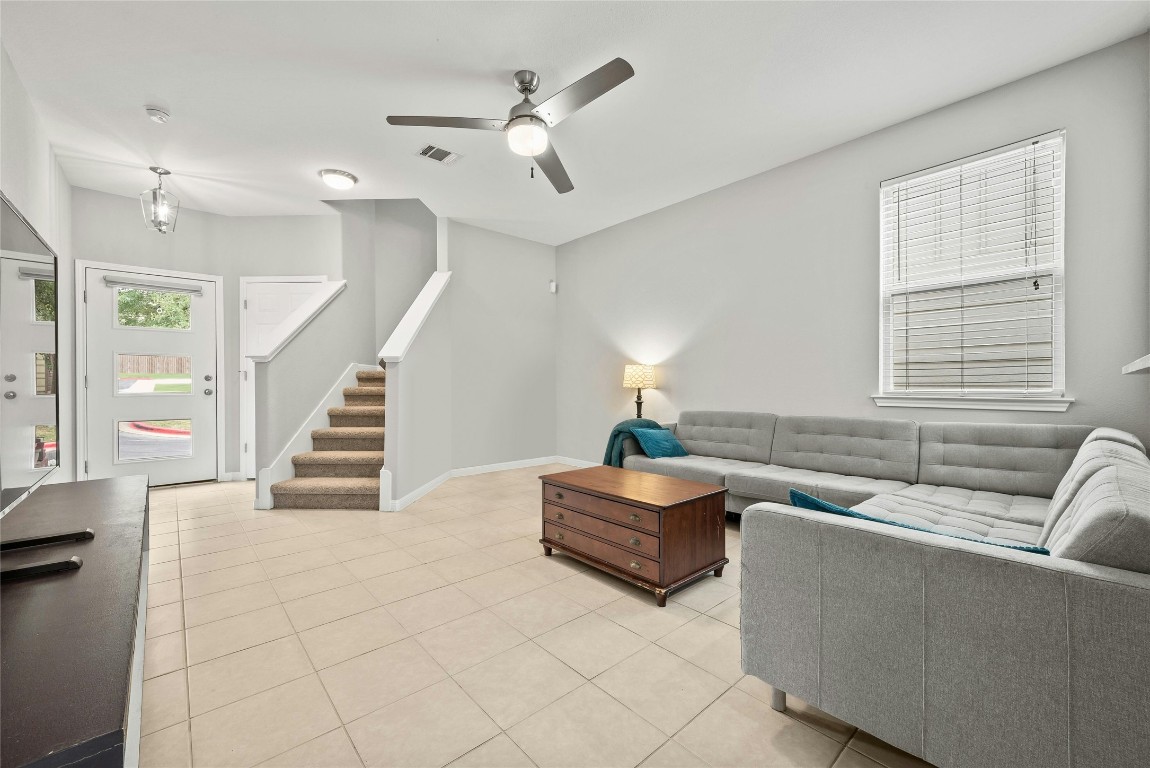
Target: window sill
[(976, 402)]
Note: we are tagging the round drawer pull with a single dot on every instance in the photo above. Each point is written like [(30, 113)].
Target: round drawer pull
[(636, 565), (559, 494), (635, 542), (559, 536), (634, 518), (558, 515)]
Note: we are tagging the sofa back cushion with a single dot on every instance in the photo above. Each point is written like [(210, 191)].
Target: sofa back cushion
[(743, 435), (1096, 454), (1108, 521), (1016, 459), (884, 449)]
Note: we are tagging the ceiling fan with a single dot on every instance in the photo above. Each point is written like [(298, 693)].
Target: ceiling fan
[(527, 123)]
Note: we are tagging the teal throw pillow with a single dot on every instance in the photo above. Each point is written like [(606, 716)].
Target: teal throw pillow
[(659, 443)]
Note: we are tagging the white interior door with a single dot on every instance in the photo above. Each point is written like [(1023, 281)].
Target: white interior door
[(266, 303), (28, 369), (151, 383)]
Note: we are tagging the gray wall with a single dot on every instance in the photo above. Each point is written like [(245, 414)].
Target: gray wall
[(405, 255), (110, 228), (763, 295), (419, 434), (32, 179), (503, 324)]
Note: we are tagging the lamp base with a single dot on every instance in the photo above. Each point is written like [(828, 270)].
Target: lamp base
[(639, 403)]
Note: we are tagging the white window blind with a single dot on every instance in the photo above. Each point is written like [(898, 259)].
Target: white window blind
[(972, 275)]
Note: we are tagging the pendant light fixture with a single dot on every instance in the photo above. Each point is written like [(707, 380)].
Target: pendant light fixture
[(160, 207)]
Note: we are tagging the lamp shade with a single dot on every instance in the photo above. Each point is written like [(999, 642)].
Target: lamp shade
[(639, 377)]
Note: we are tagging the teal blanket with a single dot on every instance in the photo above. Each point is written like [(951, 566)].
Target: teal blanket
[(614, 455)]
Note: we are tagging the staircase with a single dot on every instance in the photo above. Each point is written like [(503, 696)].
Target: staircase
[(342, 469)]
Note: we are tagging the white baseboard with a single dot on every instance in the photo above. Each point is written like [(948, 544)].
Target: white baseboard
[(232, 477), (580, 463), (420, 492), (431, 485)]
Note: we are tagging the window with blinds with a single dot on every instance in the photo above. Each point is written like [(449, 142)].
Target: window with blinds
[(972, 277)]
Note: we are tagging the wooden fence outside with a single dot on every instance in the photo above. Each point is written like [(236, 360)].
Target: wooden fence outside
[(154, 364)]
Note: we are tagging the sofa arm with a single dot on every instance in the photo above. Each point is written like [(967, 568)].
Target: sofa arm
[(630, 447), (962, 653)]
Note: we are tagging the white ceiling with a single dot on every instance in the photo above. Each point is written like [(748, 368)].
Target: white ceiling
[(263, 94)]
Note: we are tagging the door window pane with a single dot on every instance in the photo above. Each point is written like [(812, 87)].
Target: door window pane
[(157, 439), (140, 308), (45, 373), (44, 453), (45, 292), (153, 374)]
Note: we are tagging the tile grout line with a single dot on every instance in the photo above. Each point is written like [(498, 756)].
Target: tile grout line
[(502, 566)]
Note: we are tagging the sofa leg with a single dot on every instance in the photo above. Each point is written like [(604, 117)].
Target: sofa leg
[(778, 700)]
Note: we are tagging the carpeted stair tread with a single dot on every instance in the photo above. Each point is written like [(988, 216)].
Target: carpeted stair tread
[(357, 410), (351, 433), (375, 379), (328, 485), (363, 391), (339, 457)]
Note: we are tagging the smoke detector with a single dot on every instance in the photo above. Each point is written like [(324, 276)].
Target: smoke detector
[(439, 154), (157, 115)]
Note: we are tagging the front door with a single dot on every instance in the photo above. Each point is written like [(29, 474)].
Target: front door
[(28, 367), (150, 376)]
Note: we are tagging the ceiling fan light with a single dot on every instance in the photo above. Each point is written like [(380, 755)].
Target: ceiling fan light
[(527, 136), (337, 179)]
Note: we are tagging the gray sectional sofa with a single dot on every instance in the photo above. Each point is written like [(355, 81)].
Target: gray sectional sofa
[(959, 652)]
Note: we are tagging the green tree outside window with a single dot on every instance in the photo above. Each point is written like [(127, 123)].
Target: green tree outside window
[(45, 300), (139, 308)]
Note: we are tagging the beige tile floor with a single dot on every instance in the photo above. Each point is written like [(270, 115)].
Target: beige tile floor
[(438, 636)]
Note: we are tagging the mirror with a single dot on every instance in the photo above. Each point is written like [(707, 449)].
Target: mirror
[(29, 403)]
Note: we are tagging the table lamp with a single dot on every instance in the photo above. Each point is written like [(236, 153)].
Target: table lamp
[(639, 377)]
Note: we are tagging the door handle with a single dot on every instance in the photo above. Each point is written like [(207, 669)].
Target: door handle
[(208, 391), (9, 395)]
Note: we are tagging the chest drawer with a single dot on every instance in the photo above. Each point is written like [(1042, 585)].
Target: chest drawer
[(636, 517), (643, 543), (639, 566)]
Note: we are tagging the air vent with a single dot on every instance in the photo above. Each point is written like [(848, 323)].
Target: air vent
[(439, 154)]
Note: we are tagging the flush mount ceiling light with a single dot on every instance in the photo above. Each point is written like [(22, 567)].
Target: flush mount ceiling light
[(157, 114), (160, 207), (337, 179)]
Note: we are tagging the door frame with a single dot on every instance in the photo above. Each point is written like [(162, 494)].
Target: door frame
[(82, 356), (248, 467)]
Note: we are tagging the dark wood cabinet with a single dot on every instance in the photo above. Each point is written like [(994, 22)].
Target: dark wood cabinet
[(659, 533), (71, 642)]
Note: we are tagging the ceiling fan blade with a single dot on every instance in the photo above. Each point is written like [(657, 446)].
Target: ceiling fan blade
[(582, 92), (552, 167), (478, 123)]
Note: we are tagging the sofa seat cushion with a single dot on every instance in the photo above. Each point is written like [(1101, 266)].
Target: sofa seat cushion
[(916, 513), (774, 483), (1027, 510), (704, 469)]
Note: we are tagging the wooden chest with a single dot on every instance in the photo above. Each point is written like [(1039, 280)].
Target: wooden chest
[(659, 533)]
